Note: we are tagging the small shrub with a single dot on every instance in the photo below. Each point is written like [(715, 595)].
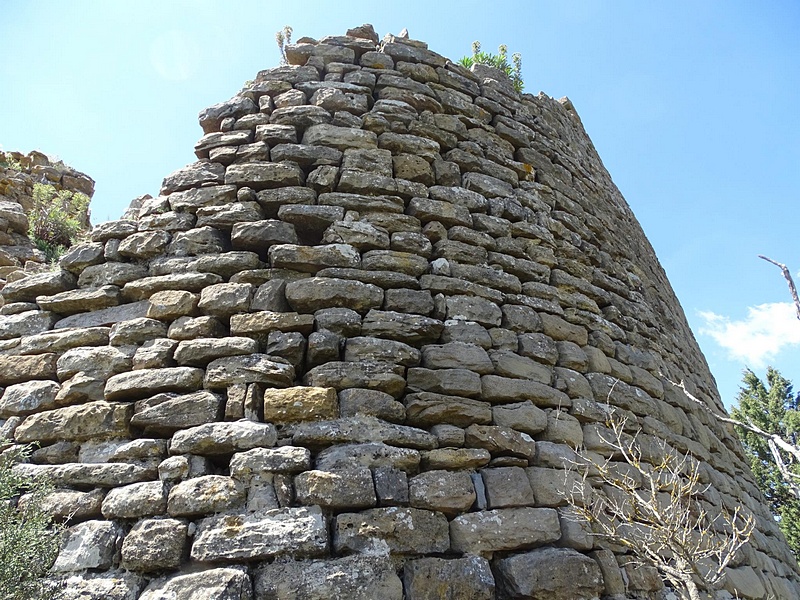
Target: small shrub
[(283, 38), (29, 544), (55, 219), (7, 161), (498, 61)]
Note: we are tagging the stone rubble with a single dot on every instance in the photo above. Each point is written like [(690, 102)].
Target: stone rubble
[(350, 351)]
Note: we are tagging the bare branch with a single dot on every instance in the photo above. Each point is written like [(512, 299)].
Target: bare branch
[(788, 277), (660, 515), (775, 441)]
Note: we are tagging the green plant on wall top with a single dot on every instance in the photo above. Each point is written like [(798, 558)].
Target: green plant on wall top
[(499, 61), (54, 220), (283, 38)]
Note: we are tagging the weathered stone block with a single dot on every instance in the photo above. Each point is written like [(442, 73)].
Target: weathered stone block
[(212, 584), (349, 578), (154, 545), (468, 578), (446, 491), (260, 462), (135, 500), (504, 529), (300, 404), (401, 530), (296, 532), (88, 545), (251, 368), (549, 574), (506, 487), (77, 423), (147, 382), (336, 490), (223, 438), (205, 495)]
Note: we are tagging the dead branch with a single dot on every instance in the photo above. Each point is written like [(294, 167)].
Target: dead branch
[(788, 277), (774, 441), (658, 515)]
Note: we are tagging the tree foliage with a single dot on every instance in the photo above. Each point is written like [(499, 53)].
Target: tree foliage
[(28, 542), (773, 407), (499, 61)]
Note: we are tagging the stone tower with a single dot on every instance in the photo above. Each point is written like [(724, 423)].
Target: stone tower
[(350, 350)]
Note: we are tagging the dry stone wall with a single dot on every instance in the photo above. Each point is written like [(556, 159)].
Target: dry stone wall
[(350, 350), (18, 174)]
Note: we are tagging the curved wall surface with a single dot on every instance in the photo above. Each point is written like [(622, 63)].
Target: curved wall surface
[(350, 350)]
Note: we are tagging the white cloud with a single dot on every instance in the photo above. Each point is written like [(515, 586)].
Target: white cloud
[(175, 56), (758, 338)]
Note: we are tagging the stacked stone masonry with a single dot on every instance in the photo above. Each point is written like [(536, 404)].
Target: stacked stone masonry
[(350, 351)]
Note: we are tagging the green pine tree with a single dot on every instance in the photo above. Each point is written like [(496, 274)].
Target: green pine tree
[(775, 408)]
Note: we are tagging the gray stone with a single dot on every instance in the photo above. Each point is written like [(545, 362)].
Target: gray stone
[(362, 430), (449, 492), (26, 323), (88, 545), (200, 352), (315, 293), (549, 574), (457, 355), (173, 412), (28, 397), (506, 487), (147, 382), (504, 389), (374, 455), (349, 578), (212, 584), (349, 488), (425, 409), (362, 348), (260, 462), (154, 545), (313, 258), (41, 284), (77, 423), (297, 532), (224, 299), (112, 585), (384, 377), (397, 530), (135, 500), (522, 416), (136, 331), (88, 475), (106, 316), (147, 286), (504, 529), (223, 438), (63, 339), (340, 138), (370, 403), (110, 273), (468, 578), (251, 368), (501, 441), (205, 495)]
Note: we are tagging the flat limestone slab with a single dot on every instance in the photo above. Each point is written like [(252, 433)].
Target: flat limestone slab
[(296, 532)]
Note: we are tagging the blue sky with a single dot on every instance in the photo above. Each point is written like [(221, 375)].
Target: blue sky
[(692, 105)]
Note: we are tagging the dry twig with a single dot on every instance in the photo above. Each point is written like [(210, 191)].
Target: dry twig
[(657, 512)]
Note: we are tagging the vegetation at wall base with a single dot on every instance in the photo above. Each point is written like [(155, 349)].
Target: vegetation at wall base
[(29, 542), (498, 61)]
